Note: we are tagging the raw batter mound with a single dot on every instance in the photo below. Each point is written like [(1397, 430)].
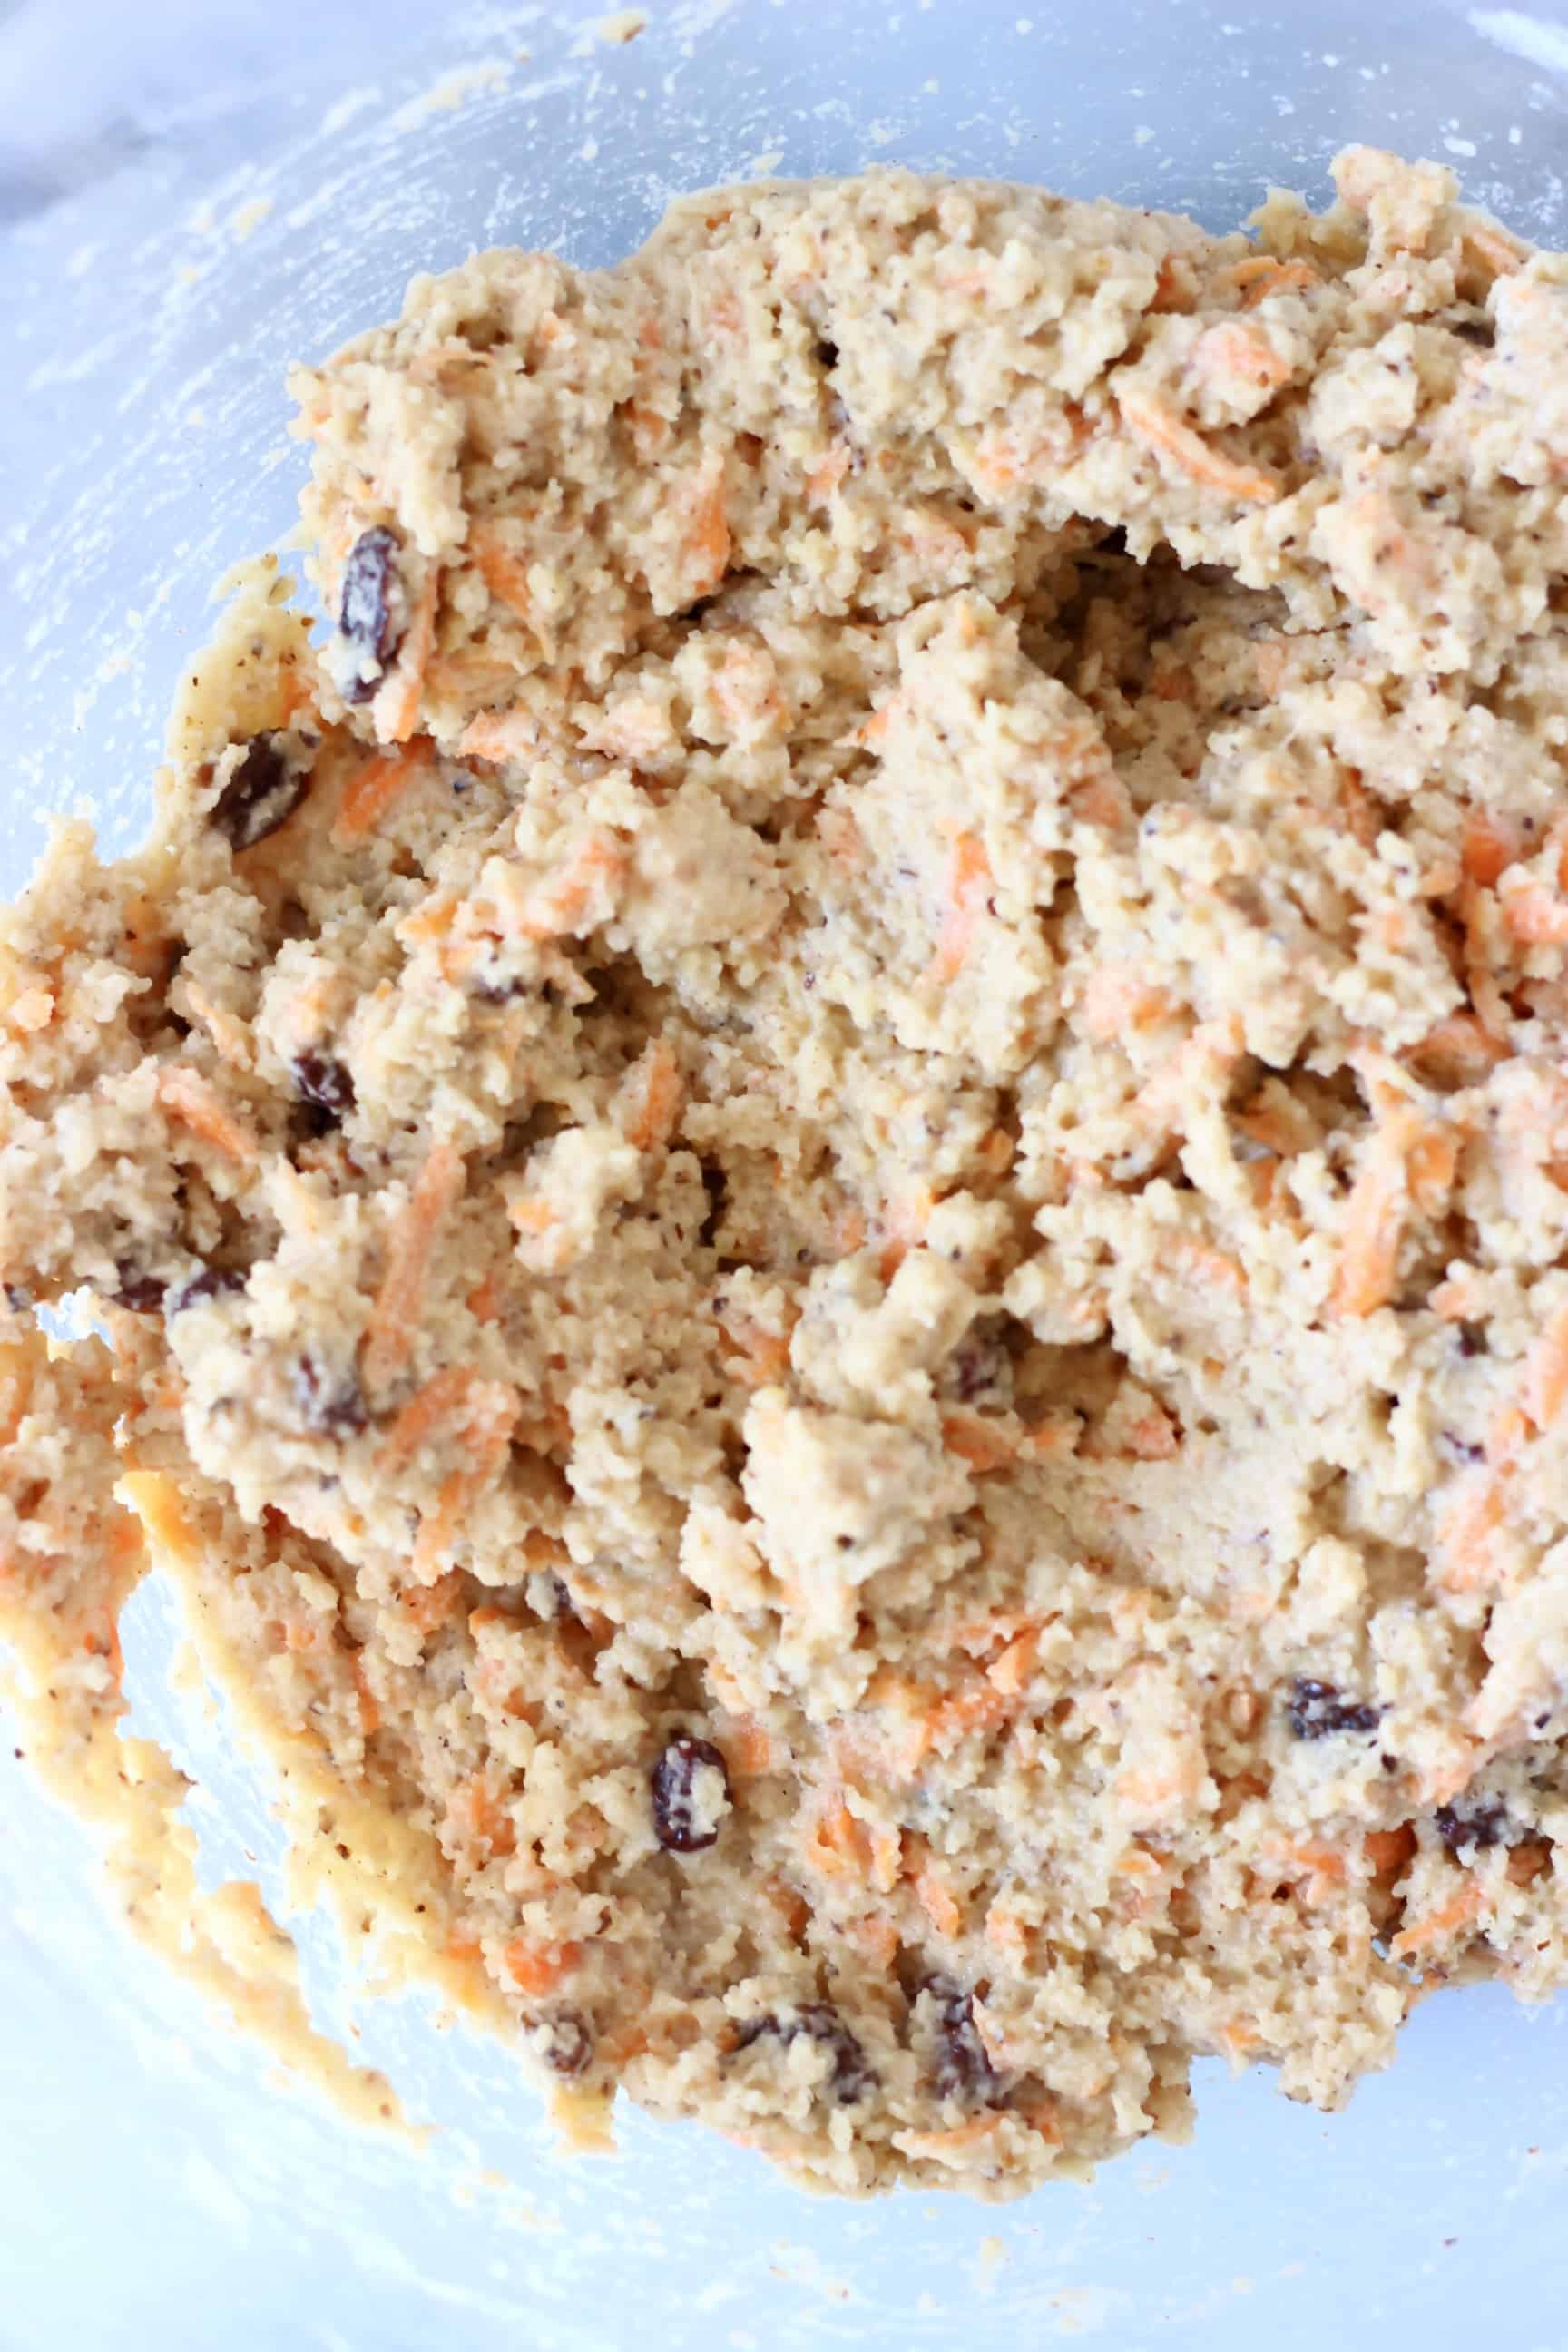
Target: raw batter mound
[(832, 1174)]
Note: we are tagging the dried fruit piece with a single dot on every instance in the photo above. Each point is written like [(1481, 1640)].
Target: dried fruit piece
[(369, 605), (962, 2068), (1315, 1709), (563, 2040), (325, 1088), (682, 1806), (852, 2076), (263, 794), (1481, 1826), (142, 1292), (330, 1401), (211, 1283)]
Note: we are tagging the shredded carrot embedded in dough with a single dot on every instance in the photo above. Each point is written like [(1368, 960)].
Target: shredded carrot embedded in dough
[(1464, 1556), (503, 574), (596, 861), (427, 1409), (1458, 1048), (195, 1102), (833, 1841), (478, 1817), (1118, 998), (1244, 352), (537, 1968), (373, 789), (389, 1336), (1502, 256), (402, 709), (955, 2141), (707, 540), (984, 1444), (1545, 1385), (749, 1749), (1154, 423), (496, 736), (659, 1092), (969, 879), (159, 1504), (874, 1939), (1375, 1217), (1262, 274), (757, 1358), (1535, 916), (1457, 1913), (492, 1413), (229, 1036), (1489, 846), (938, 1901), (1388, 1851)]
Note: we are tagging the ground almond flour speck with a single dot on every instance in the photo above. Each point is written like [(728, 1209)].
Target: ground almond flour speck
[(830, 1180)]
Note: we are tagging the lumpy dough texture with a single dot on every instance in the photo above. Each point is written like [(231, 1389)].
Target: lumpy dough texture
[(839, 1155)]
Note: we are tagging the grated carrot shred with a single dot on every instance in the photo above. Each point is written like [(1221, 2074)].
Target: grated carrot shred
[(1152, 422), (195, 1102), (372, 790), (389, 1335)]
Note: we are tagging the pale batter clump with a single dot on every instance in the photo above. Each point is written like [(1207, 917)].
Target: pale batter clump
[(831, 1175)]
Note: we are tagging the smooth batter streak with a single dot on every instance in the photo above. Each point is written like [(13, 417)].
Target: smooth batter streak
[(830, 1173)]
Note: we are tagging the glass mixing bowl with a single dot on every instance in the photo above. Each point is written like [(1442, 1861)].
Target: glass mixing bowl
[(192, 204)]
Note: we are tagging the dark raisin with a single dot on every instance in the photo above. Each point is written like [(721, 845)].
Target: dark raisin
[(978, 1365), (143, 1293), (1479, 331), (563, 2039), (1314, 1709), (365, 615), (213, 1282), (851, 2077), (674, 1783), (329, 1400), (1481, 1827), (263, 793), (18, 1299), (716, 1184), (325, 1090), (962, 2067), (826, 352), (1472, 1341)]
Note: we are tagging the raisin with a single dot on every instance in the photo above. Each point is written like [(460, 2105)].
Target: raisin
[(17, 1299), (563, 2039), (366, 607), (674, 1782), (325, 1089), (213, 1282), (1315, 1709), (143, 1293), (1472, 1340), (330, 1402), (826, 352), (978, 1366), (851, 2077), (1479, 331), (716, 1184), (262, 793), (963, 2068), (1484, 1826)]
